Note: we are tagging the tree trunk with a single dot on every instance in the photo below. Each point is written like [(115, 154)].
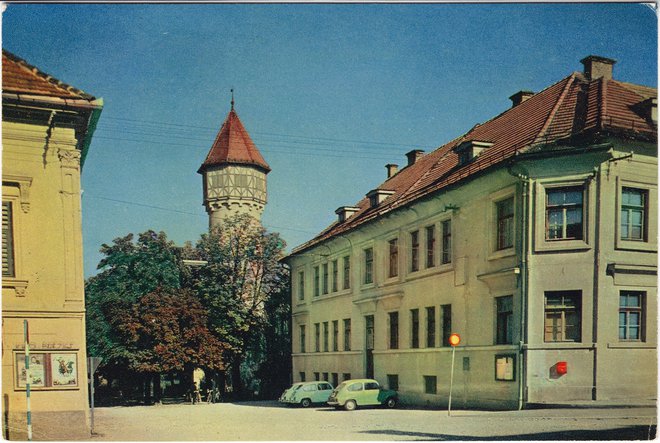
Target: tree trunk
[(146, 386), (236, 382), (158, 393)]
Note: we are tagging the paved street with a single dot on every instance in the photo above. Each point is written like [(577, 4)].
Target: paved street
[(270, 421)]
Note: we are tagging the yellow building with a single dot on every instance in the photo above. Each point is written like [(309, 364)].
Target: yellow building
[(533, 236), (47, 127)]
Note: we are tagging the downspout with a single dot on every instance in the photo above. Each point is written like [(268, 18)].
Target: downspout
[(524, 279), (598, 177)]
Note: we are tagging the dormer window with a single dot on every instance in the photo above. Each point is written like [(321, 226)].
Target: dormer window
[(345, 212), (470, 149), (652, 109), (377, 196)]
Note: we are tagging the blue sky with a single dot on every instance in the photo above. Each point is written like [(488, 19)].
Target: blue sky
[(329, 93)]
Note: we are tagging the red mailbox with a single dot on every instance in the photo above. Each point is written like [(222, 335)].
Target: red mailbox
[(562, 367)]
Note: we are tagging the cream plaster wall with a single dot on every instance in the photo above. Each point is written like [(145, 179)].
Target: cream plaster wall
[(478, 274), (41, 177)]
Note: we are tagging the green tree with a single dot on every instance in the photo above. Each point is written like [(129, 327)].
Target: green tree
[(129, 270), (243, 271)]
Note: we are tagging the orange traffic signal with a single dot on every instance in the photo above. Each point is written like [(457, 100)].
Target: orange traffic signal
[(454, 339)]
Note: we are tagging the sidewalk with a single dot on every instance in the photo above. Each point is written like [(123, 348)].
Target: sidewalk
[(596, 404)]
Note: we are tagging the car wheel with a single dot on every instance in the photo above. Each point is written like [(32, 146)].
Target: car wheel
[(350, 405), (305, 403), (391, 402)]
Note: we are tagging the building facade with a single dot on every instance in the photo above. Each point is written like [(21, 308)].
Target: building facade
[(47, 128), (533, 236), (234, 174)]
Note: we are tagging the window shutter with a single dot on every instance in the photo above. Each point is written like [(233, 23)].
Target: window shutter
[(7, 240)]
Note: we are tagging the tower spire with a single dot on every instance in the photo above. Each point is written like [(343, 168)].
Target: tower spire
[(232, 99)]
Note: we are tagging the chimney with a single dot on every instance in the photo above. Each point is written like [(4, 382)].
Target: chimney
[(520, 97), (413, 156), (596, 67), (391, 169)]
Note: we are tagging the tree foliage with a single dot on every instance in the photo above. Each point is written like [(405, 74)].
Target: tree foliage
[(147, 313), (129, 270), (168, 330), (243, 271)]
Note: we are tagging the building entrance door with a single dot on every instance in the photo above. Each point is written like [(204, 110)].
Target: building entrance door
[(369, 345)]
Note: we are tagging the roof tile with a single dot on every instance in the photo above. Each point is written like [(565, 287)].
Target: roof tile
[(562, 110), (233, 145), (22, 78)]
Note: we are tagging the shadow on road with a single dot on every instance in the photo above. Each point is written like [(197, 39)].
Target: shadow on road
[(627, 433)]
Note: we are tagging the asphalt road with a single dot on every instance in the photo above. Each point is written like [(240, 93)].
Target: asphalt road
[(255, 421)]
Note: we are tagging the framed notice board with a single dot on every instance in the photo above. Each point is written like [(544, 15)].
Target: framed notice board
[(49, 370)]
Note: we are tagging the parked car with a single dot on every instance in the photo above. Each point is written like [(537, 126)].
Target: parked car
[(362, 392), (307, 393)]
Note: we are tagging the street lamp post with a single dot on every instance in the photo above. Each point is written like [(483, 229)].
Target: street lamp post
[(454, 340)]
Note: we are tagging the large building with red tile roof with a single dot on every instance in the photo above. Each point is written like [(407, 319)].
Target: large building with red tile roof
[(234, 174), (47, 128), (533, 236)]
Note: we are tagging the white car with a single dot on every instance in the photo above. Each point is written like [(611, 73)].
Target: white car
[(307, 393)]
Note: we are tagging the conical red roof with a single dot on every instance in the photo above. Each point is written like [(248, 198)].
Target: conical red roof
[(233, 145)]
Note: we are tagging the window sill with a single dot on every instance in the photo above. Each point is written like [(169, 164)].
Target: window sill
[(630, 345), (330, 296), (422, 273), (19, 286), (633, 245), (502, 253), (559, 345), (561, 245)]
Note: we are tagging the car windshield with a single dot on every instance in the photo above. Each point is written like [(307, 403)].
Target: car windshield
[(296, 387), (341, 385)]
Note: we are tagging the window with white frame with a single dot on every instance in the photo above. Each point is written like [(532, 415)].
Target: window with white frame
[(414, 251), (302, 338), (633, 214), (335, 275), (631, 315), (393, 257), (564, 213), (325, 278), (347, 334), (335, 335), (563, 316), (394, 330), (317, 282), (504, 209), (325, 337), (414, 328), (301, 285), (504, 320), (430, 327), (446, 242), (430, 246), (368, 265)]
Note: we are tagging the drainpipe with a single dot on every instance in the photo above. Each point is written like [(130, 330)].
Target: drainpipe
[(524, 283), (598, 177)]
